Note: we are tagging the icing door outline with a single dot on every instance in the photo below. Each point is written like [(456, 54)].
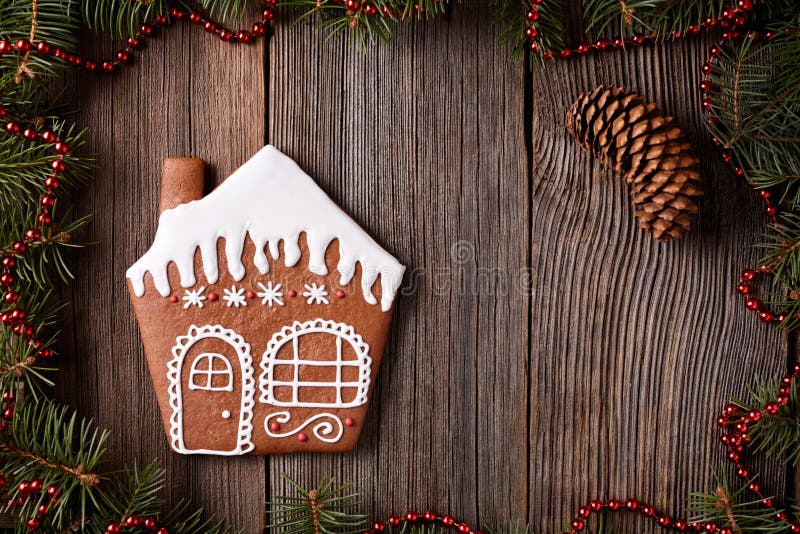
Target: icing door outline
[(204, 371)]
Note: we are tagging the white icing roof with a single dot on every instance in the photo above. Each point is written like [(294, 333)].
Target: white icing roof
[(270, 199)]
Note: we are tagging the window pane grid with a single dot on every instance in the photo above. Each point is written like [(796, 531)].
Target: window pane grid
[(296, 362)]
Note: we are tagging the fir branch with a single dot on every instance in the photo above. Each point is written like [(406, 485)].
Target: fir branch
[(325, 510), (732, 508)]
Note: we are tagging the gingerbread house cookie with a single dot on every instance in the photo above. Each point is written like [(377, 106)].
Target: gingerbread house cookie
[(264, 311)]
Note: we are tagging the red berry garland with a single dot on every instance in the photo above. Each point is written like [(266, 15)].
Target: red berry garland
[(24, 46), (414, 518), (744, 285), (729, 19)]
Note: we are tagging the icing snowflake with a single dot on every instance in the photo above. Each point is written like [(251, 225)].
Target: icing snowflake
[(194, 298), (270, 294), (316, 294), (235, 297)]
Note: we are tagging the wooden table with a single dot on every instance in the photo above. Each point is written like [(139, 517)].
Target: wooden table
[(549, 351)]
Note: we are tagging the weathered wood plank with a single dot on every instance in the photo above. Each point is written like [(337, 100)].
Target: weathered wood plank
[(422, 141), (636, 345), (175, 101)]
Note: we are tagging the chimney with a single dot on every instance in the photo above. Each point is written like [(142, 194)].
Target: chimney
[(182, 180)]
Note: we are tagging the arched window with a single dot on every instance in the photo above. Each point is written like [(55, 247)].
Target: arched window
[(316, 364), (211, 372)]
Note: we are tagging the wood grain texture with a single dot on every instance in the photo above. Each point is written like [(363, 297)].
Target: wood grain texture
[(544, 350), (437, 176), (636, 345)]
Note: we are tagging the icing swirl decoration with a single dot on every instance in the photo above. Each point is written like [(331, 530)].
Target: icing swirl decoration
[(283, 202), (328, 427)]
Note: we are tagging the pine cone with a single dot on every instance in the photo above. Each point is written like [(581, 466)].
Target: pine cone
[(639, 141)]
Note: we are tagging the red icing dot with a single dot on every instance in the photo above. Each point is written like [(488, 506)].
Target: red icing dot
[(173, 299), (212, 296), (340, 294), (349, 422), (292, 293), (302, 437), (274, 426), (250, 295)]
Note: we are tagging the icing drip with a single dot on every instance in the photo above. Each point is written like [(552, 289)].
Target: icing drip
[(271, 200)]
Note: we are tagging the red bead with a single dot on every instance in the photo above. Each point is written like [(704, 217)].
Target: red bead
[(752, 304), (12, 127), (258, 29), (613, 505), (113, 528), (412, 516), (745, 5), (23, 45), (209, 26), (302, 437), (29, 134), (748, 275), (32, 234), (59, 165), (212, 297), (378, 526), (578, 524), (267, 15), (132, 521), (532, 15), (583, 48), (173, 299), (394, 520), (531, 32), (123, 57), (648, 510), (90, 66), (292, 293), (708, 68), (33, 524), (6, 279), (601, 44), (565, 53), (274, 426), (743, 288), (133, 42), (195, 17), (162, 19), (8, 415), (596, 505), (36, 485), (52, 490), (225, 35), (19, 247), (772, 211), (244, 37), (11, 297), (664, 521), (5, 47), (464, 528), (631, 504), (162, 530), (42, 510), (349, 421), (765, 316), (52, 182), (584, 512), (146, 30), (429, 516)]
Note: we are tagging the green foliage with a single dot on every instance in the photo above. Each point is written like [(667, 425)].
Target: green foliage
[(756, 105), (120, 18), (756, 98), (734, 508), (329, 508)]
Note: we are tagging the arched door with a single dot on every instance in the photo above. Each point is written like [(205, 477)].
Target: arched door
[(211, 392)]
